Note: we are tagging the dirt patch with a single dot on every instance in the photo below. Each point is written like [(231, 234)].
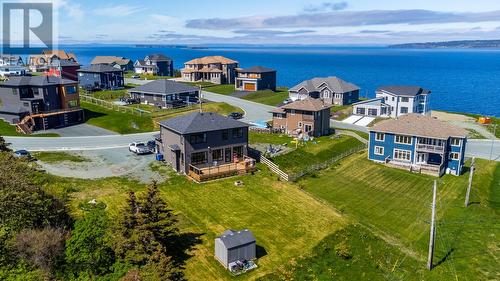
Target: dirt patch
[(105, 163), (445, 116)]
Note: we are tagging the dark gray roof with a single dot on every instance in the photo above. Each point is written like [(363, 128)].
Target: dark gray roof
[(335, 84), (64, 63), (201, 122), (232, 238), (100, 68), (158, 57), (404, 90), (36, 81), (257, 69), (164, 87)]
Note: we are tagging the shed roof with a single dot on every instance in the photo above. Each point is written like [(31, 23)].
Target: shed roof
[(256, 69), (164, 87), (410, 91), (335, 84), (419, 125), (99, 68), (201, 122), (233, 238)]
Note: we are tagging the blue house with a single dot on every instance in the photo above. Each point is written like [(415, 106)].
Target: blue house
[(419, 143)]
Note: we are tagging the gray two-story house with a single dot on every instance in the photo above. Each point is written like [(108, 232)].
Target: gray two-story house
[(332, 90), (101, 77), (205, 145)]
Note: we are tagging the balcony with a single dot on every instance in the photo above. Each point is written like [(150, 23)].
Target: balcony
[(203, 174), (431, 169), (430, 148)]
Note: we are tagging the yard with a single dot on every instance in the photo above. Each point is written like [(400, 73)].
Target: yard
[(7, 129), (225, 89), (268, 97), (394, 204), (284, 220), (315, 152), (112, 95), (143, 76)]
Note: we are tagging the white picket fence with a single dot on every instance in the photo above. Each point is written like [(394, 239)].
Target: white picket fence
[(113, 106), (274, 168)]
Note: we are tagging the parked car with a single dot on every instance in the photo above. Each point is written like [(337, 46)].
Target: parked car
[(235, 115), (136, 76), (287, 101), (139, 148), (22, 154)]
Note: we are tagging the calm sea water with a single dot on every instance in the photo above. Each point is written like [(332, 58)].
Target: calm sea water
[(460, 80)]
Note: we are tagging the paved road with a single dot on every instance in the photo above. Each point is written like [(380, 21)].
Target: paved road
[(80, 130)]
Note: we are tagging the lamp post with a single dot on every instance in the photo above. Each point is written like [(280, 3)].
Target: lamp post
[(493, 141)]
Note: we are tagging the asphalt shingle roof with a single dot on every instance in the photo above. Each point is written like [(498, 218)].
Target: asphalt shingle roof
[(335, 84), (36, 81), (419, 125), (232, 238), (375, 101), (201, 122), (64, 63), (100, 68), (308, 104), (404, 90), (256, 69), (159, 57), (164, 87)]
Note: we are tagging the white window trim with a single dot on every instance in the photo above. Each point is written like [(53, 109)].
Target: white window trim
[(379, 147), (383, 137), (455, 159), (292, 111), (456, 145), (401, 150), (396, 140)]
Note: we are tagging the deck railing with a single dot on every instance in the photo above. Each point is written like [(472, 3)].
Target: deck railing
[(201, 174), (430, 148)]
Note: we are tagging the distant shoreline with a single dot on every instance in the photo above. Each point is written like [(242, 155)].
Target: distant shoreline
[(463, 44)]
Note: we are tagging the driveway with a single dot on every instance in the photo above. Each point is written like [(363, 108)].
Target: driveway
[(79, 131)]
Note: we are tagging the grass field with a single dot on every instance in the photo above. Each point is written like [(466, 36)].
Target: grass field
[(254, 137), (7, 129), (268, 97), (311, 153), (284, 220), (394, 204), (129, 74), (56, 157), (225, 89)]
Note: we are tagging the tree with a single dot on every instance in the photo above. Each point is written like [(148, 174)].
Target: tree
[(42, 248), (160, 267), (88, 250), (4, 146)]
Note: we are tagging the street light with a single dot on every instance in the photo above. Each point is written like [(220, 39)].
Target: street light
[(493, 140)]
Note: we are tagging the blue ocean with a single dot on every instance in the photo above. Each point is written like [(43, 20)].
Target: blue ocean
[(460, 80)]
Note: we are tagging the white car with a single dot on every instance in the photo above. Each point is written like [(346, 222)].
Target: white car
[(139, 148)]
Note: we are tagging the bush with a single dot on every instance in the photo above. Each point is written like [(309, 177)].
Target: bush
[(343, 250)]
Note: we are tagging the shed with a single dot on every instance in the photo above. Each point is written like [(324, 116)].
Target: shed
[(234, 246)]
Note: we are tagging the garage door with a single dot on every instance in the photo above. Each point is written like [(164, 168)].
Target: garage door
[(249, 87)]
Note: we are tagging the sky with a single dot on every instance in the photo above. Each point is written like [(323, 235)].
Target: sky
[(358, 22)]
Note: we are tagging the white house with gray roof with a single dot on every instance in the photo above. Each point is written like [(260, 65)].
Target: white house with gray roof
[(165, 93), (332, 90), (233, 246), (402, 100)]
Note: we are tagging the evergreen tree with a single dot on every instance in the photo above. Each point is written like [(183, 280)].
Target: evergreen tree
[(88, 250), (4, 147)]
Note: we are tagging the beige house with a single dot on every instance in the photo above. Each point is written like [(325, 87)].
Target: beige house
[(214, 69), (308, 116), (38, 63)]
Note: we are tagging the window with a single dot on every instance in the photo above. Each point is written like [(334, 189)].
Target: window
[(238, 151), (227, 154), (360, 111), (380, 136), (217, 155), (14, 92), (405, 99), (299, 124), (392, 98), (225, 134), (326, 94), (379, 150), (404, 109), (238, 133), (26, 104), (199, 158), (71, 89), (72, 103), (198, 138), (402, 139), (400, 154), (372, 112), (455, 142), (454, 156), (292, 111)]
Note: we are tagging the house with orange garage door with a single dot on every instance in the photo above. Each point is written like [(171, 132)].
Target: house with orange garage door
[(255, 78)]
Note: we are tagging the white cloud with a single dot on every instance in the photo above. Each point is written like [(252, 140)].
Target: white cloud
[(72, 9), (118, 10)]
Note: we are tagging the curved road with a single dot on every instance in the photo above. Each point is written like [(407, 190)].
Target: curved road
[(253, 112)]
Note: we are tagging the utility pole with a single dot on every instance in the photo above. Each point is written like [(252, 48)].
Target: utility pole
[(433, 229), (493, 141), (199, 99), (471, 175)]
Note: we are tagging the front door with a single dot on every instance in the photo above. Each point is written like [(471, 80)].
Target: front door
[(422, 158)]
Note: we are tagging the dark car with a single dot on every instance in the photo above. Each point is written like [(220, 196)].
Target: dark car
[(22, 154), (235, 115), (151, 145)]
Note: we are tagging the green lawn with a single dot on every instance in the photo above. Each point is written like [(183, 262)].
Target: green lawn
[(7, 129), (394, 204), (225, 89), (199, 84), (284, 220), (123, 123), (319, 151), (56, 157), (269, 97), (254, 137), (129, 74)]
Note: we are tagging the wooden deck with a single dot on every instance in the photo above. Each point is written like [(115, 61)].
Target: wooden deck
[(202, 174), (428, 169)]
